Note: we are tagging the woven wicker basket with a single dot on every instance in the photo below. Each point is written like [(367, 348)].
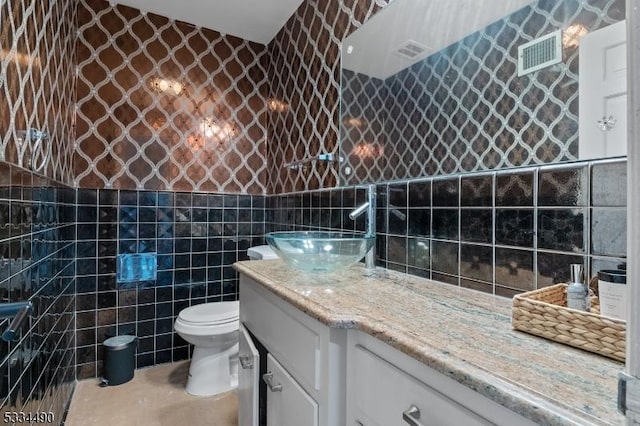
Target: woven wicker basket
[(544, 313)]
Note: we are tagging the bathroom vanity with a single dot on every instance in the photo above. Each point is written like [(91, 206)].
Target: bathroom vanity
[(345, 348)]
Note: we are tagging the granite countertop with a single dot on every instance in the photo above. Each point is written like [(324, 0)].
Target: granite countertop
[(461, 333)]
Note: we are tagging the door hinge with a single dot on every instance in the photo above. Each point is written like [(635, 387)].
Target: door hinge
[(623, 379), (628, 394)]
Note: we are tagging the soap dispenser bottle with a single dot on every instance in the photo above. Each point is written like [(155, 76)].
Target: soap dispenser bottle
[(577, 291)]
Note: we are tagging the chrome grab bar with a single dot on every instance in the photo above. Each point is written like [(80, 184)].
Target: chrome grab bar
[(411, 416), (19, 311)]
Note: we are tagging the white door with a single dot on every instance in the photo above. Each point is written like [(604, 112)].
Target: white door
[(603, 93), (287, 402), (248, 380)]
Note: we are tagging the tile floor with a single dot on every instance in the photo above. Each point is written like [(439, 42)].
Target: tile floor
[(154, 397)]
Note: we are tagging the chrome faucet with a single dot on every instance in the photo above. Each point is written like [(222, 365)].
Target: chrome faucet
[(397, 213), (370, 207)]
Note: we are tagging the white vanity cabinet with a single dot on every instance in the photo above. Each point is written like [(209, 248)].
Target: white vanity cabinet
[(321, 376), (287, 402), (386, 387), (305, 376)]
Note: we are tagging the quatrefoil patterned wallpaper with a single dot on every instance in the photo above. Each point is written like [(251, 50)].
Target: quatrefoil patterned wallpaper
[(304, 100), (37, 84), (465, 109), (165, 105)]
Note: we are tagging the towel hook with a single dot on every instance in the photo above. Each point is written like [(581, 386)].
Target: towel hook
[(19, 311)]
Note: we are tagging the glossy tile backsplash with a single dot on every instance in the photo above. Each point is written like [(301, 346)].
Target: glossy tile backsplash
[(37, 263), (500, 232), (197, 237), (515, 230)]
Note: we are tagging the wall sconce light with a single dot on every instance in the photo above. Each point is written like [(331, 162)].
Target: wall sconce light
[(211, 131), (23, 59), (354, 122), (368, 149), (196, 142), (174, 87), (277, 105), (572, 35)]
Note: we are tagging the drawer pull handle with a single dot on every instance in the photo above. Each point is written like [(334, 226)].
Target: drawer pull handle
[(268, 379), (246, 362), (411, 416), (359, 423)]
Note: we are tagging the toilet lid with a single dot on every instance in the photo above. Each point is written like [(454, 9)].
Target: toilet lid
[(211, 313)]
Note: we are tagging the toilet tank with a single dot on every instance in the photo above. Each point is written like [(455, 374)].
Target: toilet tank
[(261, 253)]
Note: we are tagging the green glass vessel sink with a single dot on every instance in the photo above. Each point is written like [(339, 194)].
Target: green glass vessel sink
[(319, 251)]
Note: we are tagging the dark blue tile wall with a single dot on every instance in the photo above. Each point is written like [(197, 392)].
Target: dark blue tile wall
[(316, 210), (37, 251), (503, 232), (197, 238), (500, 232)]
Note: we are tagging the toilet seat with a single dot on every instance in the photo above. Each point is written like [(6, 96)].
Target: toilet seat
[(207, 323), (217, 313), (209, 319)]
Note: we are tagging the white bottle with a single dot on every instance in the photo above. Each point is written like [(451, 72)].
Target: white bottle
[(612, 290), (577, 291)]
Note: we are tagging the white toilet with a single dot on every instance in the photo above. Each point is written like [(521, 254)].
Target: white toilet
[(213, 329)]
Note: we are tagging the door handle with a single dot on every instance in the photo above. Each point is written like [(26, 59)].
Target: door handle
[(411, 416), (268, 379), (246, 362)]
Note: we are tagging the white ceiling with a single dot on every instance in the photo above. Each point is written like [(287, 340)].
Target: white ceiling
[(433, 23), (253, 20)]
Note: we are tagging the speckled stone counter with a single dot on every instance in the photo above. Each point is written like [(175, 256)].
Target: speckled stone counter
[(463, 334)]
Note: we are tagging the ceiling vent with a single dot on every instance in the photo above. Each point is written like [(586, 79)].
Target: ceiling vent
[(411, 50), (540, 53)]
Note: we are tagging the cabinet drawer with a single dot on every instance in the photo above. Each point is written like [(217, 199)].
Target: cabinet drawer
[(289, 337), (380, 393), (287, 403)]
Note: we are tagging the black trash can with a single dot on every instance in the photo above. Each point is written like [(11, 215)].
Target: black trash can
[(119, 360)]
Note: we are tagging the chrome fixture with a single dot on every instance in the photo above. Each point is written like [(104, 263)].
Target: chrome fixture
[(397, 213), (370, 207), (607, 123), (32, 150), (411, 416), (246, 362), (268, 379), (304, 163), (19, 311), (358, 211)]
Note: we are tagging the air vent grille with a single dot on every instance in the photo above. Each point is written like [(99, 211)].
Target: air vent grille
[(540, 53), (411, 50)]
